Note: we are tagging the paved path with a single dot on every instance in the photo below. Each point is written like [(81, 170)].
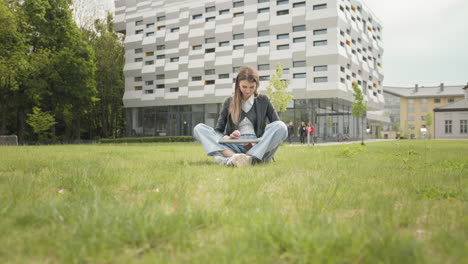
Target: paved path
[(341, 143)]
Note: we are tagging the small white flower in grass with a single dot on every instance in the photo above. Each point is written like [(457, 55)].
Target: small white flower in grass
[(156, 190), (61, 191)]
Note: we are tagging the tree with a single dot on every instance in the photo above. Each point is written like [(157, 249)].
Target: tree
[(41, 122), (429, 120), (359, 107), (108, 112), (280, 98)]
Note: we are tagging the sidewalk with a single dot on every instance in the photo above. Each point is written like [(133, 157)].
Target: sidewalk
[(339, 143)]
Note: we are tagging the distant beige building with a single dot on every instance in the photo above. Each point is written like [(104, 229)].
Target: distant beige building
[(451, 121), (414, 105)]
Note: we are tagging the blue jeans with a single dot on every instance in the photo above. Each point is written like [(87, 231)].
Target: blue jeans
[(275, 133)]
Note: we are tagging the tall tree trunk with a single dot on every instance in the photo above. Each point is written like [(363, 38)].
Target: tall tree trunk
[(52, 133), (77, 129), (3, 127), (20, 126)]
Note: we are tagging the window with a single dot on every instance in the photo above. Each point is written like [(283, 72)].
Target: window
[(321, 68), (235, 69), (137, 79), (224, 11), (410, 101), (150, 34), (285, 70), (342, 69), (238, 14), (139, 32), (423, 118), (196, 47), (140, 50), (299, 40), (297, 64), (282, 47), (160, 86), (138, 22), (174, 89), (318, 7), (224, 43), (342, 80), (448, 126), (437, 100), (223, 76), (282, 12), (320, 43), (161, 18), (238, 4), (451, 100), (463, 126), (263, 67), (210, 9), (263, 1), (197, 16), (320, 79), (175, 59), (210, 19), (411, 110), (299, 75), (160, 77), (149, 53), (299, 28), (209, 40), (342, 44), (264, 78), (210, 50), (282, 2), (149, 25), (159, 57), (209, 72), (238, 47), (196, 78), (282, 36), (176, 29), (264, 44), (411, 118), (137, 88), (209, 82), (263, 10), (262, 33), (238, 36), (148, 91), (149, 62), (149, 82), (322, 31), (299, 4), (160, 47), (138, 59), (423, 109)]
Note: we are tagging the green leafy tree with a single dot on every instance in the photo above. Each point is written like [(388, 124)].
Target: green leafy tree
[(280, 98), (41, 122), (108, 112), (359, 107), (429, 120)]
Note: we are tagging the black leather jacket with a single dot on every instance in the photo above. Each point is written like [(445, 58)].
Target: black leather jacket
[(265, 109)]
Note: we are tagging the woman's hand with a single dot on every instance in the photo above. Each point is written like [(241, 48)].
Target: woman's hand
[(235, 134)]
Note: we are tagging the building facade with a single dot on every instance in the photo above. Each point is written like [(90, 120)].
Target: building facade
[(451, 121), (182, 57), (408, 108)]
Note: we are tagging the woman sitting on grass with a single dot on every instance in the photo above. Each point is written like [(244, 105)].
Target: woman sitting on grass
[(244, 116)]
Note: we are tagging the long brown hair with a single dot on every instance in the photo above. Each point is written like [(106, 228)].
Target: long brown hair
[(246, 73)]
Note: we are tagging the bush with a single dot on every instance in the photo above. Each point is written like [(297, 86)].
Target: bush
[(148, 139)]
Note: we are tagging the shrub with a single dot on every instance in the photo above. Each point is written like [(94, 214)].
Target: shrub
[(148, 139)]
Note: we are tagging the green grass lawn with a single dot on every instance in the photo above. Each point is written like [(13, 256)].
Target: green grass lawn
[(387, 202)]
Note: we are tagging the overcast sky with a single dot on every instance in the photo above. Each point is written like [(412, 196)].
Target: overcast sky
[(425, 41)]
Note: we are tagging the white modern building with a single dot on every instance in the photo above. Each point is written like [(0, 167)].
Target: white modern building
[(182, 57)]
